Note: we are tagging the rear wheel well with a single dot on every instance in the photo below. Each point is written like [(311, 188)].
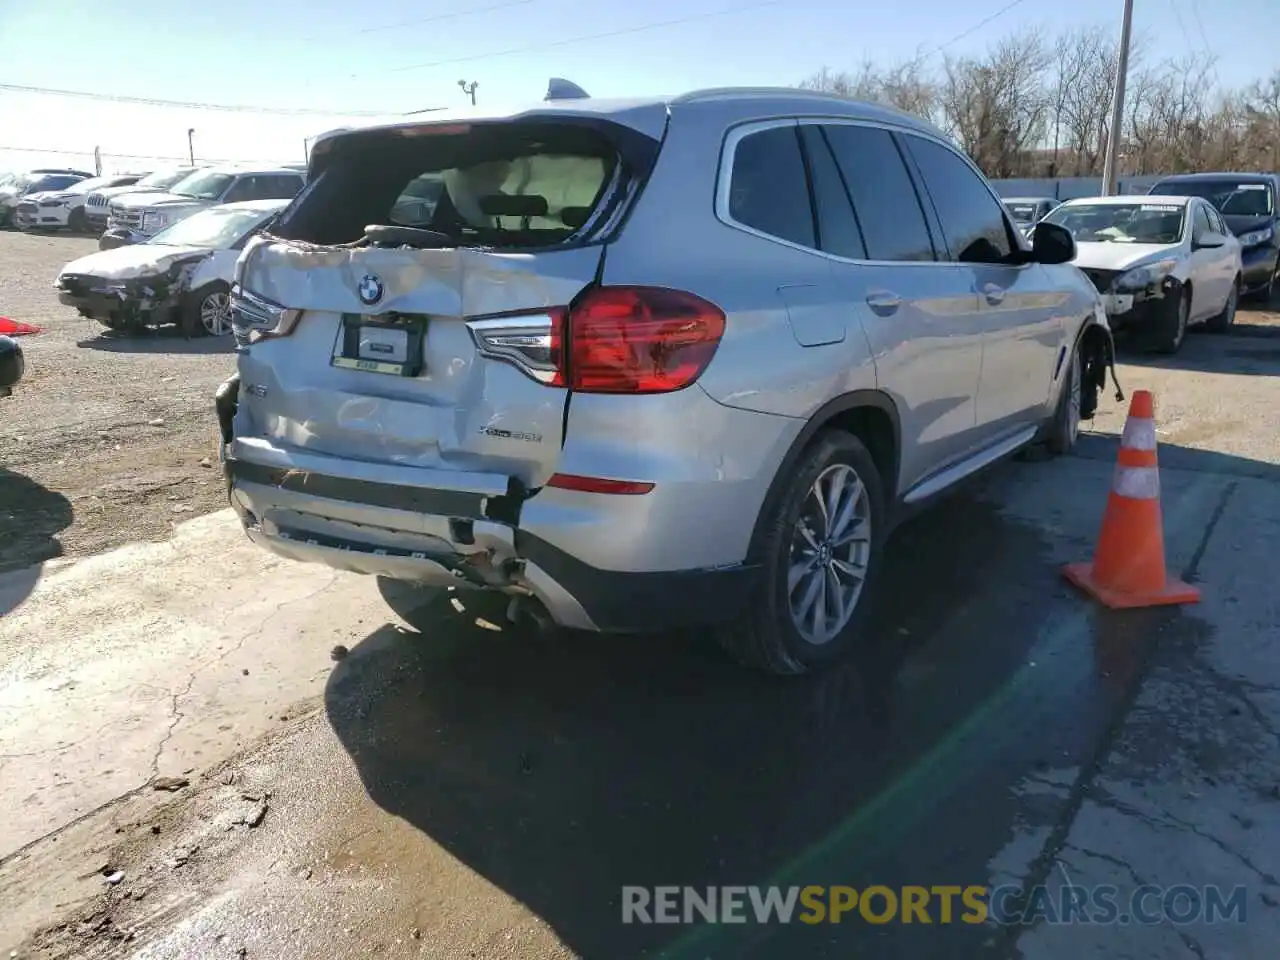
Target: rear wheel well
[(874, 428), (868, 415)]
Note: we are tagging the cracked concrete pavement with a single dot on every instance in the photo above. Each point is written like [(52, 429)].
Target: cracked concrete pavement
[(471, 793), (153, 660)]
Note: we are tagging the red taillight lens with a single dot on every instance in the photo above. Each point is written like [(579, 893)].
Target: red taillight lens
[(640, 339)]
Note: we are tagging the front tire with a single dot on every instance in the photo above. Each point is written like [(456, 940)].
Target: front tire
[(206, 312), (1171, 328), (820, 560), (1064, 430), (77, 222), (1223, 321)]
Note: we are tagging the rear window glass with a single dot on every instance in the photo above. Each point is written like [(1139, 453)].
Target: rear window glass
[(499, 186)]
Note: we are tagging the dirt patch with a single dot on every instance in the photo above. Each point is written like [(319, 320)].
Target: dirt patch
[(108, 439)]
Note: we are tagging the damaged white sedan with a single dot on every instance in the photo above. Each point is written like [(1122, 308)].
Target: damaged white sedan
[(180, 276)]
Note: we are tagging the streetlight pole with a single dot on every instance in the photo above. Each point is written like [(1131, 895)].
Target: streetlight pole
[(469, 89), (191, 149), (1109, 173)]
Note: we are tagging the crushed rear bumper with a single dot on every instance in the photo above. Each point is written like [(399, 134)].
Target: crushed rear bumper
[(450, 528)]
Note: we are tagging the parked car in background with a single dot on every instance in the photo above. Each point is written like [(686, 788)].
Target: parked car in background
[(17, 189), (64, 209), (1028, 211), (648, 362), (138, 216), (181, 275), (1162, 263), (1248, 204), (95, 205)]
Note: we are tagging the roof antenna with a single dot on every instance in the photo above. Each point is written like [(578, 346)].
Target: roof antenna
[(561, 89)]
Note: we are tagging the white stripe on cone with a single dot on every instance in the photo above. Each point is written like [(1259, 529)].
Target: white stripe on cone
[(1137, 483), (1139, 434)]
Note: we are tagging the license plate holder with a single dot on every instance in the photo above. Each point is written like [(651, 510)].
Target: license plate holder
[(388, 343)]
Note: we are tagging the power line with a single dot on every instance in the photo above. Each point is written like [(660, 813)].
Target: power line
[(448, 16), (190, 104), (626, 31), (968, 33)]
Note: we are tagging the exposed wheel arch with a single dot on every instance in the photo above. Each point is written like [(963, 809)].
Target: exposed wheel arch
[(868, 414)]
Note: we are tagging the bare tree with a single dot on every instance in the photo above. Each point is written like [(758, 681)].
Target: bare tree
[(906, 86), (997, 107), (1031, 107)]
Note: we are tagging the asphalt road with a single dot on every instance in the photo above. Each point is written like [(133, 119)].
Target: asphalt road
[(477, 793)]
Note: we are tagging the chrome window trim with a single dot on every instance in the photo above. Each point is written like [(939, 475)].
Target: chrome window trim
[(724, 176)]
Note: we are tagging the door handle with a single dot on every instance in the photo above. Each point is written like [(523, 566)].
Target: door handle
[(993, 293), (883, 302)]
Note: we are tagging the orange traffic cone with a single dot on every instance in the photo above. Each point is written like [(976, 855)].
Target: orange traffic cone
[(16, 328), (1128, 567)]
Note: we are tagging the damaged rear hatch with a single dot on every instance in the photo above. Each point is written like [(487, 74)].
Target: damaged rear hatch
[(405, 315)]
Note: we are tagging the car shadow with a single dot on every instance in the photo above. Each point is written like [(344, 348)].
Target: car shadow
[(156, 340), (31, 516), (563, 767), (1247, 349)]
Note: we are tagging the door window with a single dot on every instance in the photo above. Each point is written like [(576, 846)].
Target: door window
[(278, 187), (838, 231), (768, 189), (245, 188), (971, 217), (884, 199)]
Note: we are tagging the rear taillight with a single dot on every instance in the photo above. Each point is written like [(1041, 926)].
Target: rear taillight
[(639, 340)]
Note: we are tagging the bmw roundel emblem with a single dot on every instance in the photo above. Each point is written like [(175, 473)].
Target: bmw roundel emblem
[(370, 289)]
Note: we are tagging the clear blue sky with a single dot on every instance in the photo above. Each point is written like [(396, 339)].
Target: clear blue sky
[(346, 56)]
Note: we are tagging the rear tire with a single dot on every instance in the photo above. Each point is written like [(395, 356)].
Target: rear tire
[(1223, 321), (1171, 329), (828, 557)]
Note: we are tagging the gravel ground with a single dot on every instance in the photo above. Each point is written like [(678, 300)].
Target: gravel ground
[(108, 439), (111, 439)]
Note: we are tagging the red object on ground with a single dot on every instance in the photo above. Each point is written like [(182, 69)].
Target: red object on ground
[(16, 328)]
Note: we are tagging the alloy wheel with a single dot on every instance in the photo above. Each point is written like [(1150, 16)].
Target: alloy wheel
[(830, 554), (215, 314)]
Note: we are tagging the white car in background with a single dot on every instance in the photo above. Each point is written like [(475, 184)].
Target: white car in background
[(96, 204), (139, 216), (182, 275), (65, 209), (1162, 264)]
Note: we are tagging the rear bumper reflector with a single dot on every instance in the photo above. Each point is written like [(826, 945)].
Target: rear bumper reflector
[(569, 481)]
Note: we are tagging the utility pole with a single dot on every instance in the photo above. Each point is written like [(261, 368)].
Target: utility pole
[(469, 89), (1109, 172), (191, 148)]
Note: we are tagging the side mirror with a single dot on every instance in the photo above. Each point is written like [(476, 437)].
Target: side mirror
[(12, 365), (1051, 243), (1208, 241)]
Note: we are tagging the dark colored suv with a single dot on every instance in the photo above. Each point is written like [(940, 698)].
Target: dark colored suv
[(1248, 203)]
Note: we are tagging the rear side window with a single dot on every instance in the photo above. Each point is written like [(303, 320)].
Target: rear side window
[(884, 198), (504, 186), (837, 228), (971, 218), (768, 189)]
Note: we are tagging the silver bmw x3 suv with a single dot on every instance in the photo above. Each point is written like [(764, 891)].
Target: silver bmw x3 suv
[(644, 364)]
